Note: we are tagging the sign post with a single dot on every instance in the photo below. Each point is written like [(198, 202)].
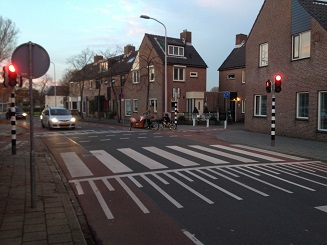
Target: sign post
[(32, 61)]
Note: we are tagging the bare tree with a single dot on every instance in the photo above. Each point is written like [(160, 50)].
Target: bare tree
[(80, 66), (8, 37), (214, 89)]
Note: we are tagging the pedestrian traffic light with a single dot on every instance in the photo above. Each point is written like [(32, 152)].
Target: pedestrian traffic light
[(12, 75), (278, 83), (268, 86)]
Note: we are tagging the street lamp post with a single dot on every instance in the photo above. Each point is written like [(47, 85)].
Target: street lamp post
[(148, 17), (55, 87)]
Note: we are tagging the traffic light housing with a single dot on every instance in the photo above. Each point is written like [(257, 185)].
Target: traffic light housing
[(268, 86), (12, 75), (5, 76), (278, 83)]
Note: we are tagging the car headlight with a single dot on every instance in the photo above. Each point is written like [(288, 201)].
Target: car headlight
[(54, 120), (41, 117), (24, 114), (73, 119)]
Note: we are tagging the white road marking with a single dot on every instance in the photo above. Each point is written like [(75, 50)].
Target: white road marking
[(75, 165), (322, 208), (197, 155), (172, 157), (144, 160), (268, 158), (101, 200), (223, 154), (110, 162), (192, 238)]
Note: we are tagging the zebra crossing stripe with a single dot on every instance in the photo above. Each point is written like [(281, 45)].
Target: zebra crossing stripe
[(144, 160), (268, 158), (75, 165), (271, 152), (197, 155), (223, 154), (110, 162), (172, 157)]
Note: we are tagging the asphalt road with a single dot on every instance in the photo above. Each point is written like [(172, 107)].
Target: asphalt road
[(177, 187)]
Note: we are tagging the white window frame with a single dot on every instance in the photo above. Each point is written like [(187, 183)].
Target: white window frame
[(135, 105), (154, 103), (322, 111), (151, 74), (259, 105), (175, 50), (243, 106), (128, 104), (243, 75), (179, 78), (300, 43), (193, 74), (263, 59), (231, 77), (302, 105), (135, 76)]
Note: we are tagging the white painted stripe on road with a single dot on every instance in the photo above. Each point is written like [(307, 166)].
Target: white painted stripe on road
[(190, 189), (105, 139), (262, 181), (109, 186), (138, 184), (75, 165), (287, 181), (271, 152), (215, 186), (110, 162), (184, 176), (268, 158), (101, 200), (172, 157), (144, 160), (197, 155), (223, 154), (192, 238), (161, 179), (133, 196), (162, 192), (84, 141), (322, 208), (79, 188)]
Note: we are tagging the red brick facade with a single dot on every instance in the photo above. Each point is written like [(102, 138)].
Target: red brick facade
[(309, 75)]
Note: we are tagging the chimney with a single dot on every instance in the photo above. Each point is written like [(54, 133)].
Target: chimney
[(240, 38), (128, 49), (187, 36), (97, 58)]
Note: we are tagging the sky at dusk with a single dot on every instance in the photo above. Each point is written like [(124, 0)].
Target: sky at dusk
[(66, 27)]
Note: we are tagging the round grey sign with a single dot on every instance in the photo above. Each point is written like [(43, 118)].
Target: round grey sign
[(31, 60)]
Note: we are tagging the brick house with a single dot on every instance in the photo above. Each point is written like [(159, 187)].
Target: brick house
[(289, 37), (232, 79), (186, 75)]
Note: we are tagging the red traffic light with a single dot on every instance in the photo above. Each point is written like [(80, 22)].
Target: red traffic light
[(278, 83), (11, 68), (268, 86)]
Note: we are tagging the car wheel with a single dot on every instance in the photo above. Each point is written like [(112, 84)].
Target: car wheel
[(42, 124), (49, 126)]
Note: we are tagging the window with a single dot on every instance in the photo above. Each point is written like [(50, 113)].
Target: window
[(136, 76), (135, 105), (243, 106), (243, 75), (302, 104), (151, 73), (193, 74), (260, 105), (127, 107), (322, 111), (90, 84), (103, 66), (154, 103), (231, 76), (263, 55), (175, 50), (179, 73), (301, 45)]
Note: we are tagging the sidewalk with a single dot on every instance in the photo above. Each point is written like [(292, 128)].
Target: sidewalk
[(54, 220)]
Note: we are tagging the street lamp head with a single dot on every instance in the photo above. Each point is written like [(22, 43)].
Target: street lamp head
[(145, 17)]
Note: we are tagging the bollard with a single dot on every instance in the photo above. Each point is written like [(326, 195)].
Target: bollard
[(208, 123)]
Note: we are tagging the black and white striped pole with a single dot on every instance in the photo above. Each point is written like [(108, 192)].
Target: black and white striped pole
[(13, 122), (273, 120)]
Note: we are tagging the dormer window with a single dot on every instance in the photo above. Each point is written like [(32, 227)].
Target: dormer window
[(103, 66), (175, 50)]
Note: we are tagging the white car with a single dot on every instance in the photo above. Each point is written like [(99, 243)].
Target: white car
[(57, 117)]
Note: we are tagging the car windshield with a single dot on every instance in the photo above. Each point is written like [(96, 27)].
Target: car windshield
[(18, 109), (59, 112)]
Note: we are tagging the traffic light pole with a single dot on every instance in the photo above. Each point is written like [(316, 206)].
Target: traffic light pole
[(13, 122), (273, 120)]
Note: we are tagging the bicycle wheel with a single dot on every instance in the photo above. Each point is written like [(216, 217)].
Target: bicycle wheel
[(173, 126), (130, 126), (161, 126), (154, 126)]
